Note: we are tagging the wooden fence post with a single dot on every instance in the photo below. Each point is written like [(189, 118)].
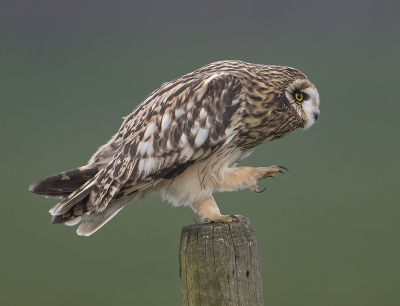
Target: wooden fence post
[(219, 265)]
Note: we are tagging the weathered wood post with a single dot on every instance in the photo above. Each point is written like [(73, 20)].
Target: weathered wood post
[(219, 265)]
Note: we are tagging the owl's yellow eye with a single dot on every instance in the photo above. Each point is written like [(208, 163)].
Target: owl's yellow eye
[(299, 96)]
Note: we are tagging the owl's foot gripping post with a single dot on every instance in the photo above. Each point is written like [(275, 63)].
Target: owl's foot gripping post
[(207, 210)]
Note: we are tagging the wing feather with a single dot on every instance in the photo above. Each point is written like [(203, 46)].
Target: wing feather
[(173, 128)]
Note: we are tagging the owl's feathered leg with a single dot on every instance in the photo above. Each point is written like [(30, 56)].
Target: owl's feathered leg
[(208, 211), (246, 177)]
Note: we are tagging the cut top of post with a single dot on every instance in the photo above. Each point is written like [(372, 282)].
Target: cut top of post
[(219, 264)]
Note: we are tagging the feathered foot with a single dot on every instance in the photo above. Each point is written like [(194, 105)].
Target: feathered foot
[(207, 211)]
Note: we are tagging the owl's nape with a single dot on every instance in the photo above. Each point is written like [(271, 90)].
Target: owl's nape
[(184, 141)]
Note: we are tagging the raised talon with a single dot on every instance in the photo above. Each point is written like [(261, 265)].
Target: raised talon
[(255, 189), (284, 168), (280, 171)]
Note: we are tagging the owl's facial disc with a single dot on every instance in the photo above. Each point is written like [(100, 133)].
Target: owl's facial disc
[(304, 97)]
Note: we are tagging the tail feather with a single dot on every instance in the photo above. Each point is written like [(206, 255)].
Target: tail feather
[(75, 188), (70, 217), (73, 199), (73, 221), (62, 185), (93, 221)]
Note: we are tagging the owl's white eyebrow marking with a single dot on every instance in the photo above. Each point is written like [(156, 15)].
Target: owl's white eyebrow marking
[(201, 137), (166, 120), (149, 131), (311, 92)]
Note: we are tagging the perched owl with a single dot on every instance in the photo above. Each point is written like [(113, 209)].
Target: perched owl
[(184, 142)]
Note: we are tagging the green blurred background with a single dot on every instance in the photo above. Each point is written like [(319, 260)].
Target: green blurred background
[(328, 234)]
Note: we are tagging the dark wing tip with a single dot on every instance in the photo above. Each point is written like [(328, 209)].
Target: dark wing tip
[(37, 188), (32, 188), (58, 220)]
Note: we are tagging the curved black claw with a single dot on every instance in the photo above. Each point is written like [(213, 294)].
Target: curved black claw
[(282, 173), (235, 218), (284, 168), (259, 191)]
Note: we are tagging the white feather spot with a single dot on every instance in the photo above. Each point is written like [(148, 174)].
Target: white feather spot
[(194, 129), (142, 147), (179, 112), (149, 131), (190, 105), (201, 137), (184, 153), (184, 139), (150, 149), (203, 114), (141, 165), (166, 121), (169, 147), (236, 101), (149, 165), (189, 115), (228, 132)]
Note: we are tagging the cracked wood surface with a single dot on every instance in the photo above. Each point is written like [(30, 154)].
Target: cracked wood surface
[(219, 265)]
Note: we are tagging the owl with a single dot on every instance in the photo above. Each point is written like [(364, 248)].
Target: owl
[(184, 142)]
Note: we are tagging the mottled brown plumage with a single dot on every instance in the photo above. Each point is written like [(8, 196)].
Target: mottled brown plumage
[(184, 140)]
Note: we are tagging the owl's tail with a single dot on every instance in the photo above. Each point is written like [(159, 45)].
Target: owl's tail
[(62, 185), (74, 187)]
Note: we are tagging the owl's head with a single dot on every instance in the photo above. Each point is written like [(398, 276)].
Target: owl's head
[(303, 98)]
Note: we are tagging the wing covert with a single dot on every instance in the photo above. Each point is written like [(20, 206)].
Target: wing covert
[(173, 128)]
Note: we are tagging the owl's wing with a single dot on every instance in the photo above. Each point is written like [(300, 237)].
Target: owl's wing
[(182, 124), (177, 125)]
